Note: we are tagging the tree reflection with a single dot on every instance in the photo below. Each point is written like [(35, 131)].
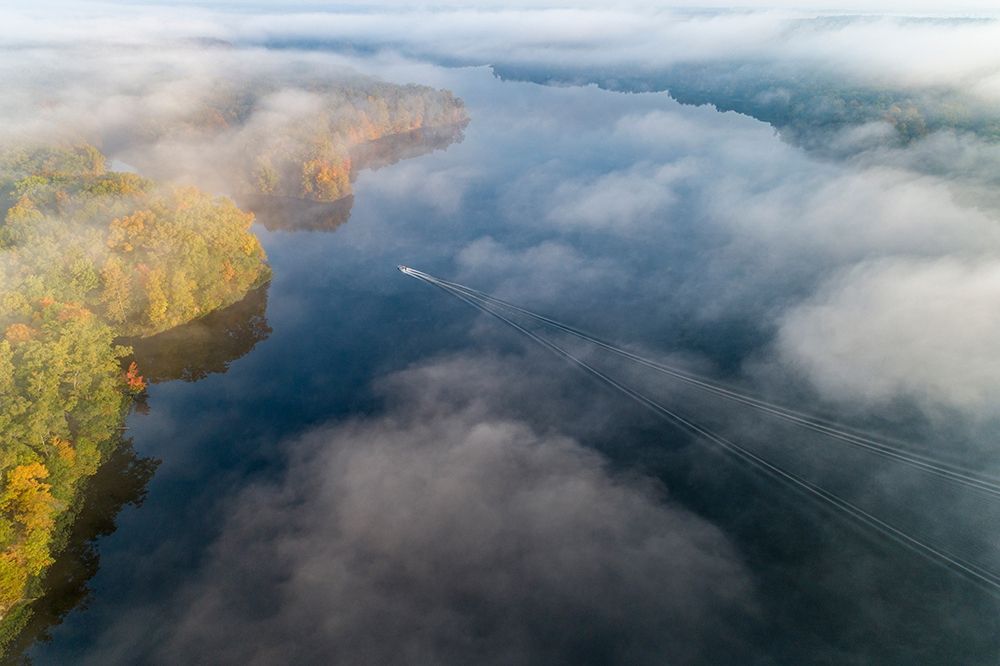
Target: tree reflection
[(287, 214), (189, 352), (119, 482), (397, 147), (207, 345), (290, 214)]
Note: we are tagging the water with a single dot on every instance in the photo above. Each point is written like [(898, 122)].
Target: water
[(238, 399)]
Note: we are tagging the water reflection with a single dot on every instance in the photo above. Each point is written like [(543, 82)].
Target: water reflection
[(207, 345), (663, 275), (190, 353), (121, 481), (291, 214), (288, 214), (397, 147)]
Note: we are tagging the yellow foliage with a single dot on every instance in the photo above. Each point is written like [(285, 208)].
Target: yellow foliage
[(251, 246), (28, 500), (123, 230), (324, 180), (157, 307), (27, 497), (64, 448), (23, 210), (13, 580)]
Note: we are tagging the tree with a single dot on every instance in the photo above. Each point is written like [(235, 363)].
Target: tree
[(27, 500), (156, 298), (182, 296), (116, 291)]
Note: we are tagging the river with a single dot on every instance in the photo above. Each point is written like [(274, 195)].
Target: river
[(607, 211)]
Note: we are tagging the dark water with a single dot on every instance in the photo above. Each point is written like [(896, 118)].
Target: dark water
[(232, 394)]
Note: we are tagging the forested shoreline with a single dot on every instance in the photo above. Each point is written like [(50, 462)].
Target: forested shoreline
[(91, 256)]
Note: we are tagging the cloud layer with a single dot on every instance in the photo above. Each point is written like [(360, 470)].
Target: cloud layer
[(446, 532), (456, 528), (712, 216), (903, 326)]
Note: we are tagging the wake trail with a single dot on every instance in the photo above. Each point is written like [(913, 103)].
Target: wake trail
[(954, 473), (983, 578)]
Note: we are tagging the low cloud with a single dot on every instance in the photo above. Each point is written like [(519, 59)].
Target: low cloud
[(643, 36), (444, 531), (537, 273), (440, 189), (620, 200), (926, 328), (874, 278)]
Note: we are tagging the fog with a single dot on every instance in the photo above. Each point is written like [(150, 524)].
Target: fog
[(778, 234), (939, 344), (189, 113), (447, 531), (464, 513), (887, 49)]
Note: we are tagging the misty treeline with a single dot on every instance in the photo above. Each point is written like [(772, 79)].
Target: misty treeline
[(227, 120), (286, 141), (89, 255), (811, 108)]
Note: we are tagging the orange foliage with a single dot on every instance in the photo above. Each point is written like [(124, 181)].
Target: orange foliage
[(185, 197), (71, 311), (326, 180), (19, 333), (133, 379), (124, 229)]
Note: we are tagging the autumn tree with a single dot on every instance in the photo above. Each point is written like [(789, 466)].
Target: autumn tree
[(88, 256), (116, 290)]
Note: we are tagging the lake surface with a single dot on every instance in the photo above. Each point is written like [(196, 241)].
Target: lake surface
[(520, 207)]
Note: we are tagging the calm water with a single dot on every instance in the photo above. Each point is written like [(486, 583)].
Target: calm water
[(510, 209)]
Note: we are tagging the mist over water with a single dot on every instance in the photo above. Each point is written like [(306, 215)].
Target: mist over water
[(358, 468)]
